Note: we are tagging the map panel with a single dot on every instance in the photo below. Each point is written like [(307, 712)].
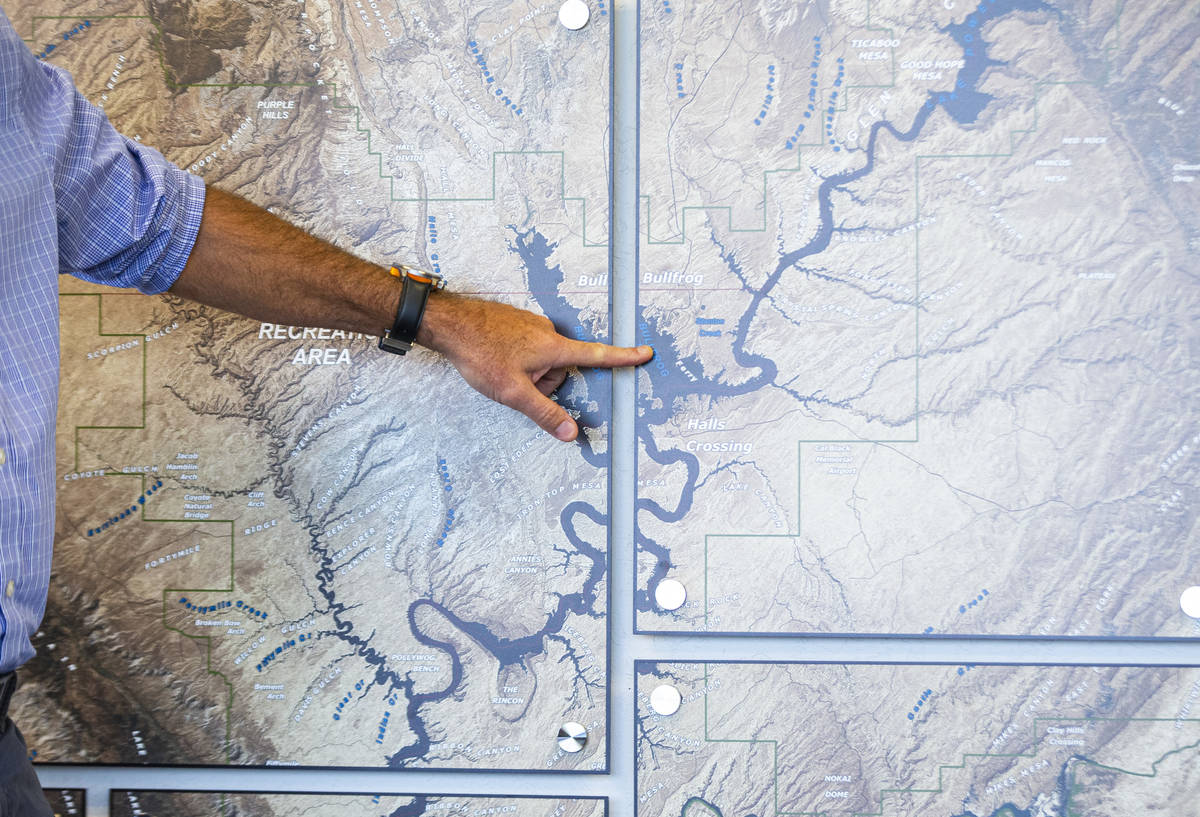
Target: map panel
[(910, 739), (921, 282), (274, 804), (277, 545), (67, 802)]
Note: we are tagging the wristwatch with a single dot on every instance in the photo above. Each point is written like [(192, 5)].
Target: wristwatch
[(415, 286)]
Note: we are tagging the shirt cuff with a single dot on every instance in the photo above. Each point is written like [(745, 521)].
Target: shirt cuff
[(162, 275)]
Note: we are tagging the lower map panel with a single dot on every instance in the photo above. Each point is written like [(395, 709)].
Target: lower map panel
[(278, 804), (915, 739), (66, 802)]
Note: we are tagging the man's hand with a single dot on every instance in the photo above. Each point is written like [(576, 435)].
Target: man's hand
[(253, 263), (515, 357)]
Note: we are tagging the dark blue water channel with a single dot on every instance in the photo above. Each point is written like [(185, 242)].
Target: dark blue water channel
[(673, 378), (416, 808), (544, 281)]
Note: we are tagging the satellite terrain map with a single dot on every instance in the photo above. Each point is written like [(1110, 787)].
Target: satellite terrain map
[(921, 282), (277, 545), (910, 739), (230, 804)]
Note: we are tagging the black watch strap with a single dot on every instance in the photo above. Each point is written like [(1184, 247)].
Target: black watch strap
[(415, 286)]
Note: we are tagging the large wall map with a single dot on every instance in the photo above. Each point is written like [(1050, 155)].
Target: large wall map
[(278, 804), (921, 281), (920, 278), (910, 739), (276, 545)]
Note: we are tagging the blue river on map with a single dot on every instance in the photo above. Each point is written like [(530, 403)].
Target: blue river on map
[(963, 104), (416, 808), (544, 282)]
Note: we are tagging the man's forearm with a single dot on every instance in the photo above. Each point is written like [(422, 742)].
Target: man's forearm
[(248, 261)]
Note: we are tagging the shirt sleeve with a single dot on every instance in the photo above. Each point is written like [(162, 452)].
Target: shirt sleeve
[(127, 217)]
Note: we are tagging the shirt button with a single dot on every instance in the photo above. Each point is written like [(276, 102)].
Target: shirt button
[(2, 456), (10, 589)]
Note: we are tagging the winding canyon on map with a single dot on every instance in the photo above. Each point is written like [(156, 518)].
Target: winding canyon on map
[(276, 545)]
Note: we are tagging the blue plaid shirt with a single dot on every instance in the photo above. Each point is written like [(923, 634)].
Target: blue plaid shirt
[(75, 197)]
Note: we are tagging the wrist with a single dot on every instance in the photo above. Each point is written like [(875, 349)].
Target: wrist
[(437, 324), (416, 287)]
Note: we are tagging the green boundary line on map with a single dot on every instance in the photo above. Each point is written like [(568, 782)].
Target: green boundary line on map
[(763, 202), (100, 331), (207, 640), (334, 102), (1013, 136), (942, 768), (891, 35), (916, 309), (156, 40), (820, 144)]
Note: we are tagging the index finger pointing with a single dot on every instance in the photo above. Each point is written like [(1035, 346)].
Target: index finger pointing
[(603, 356)]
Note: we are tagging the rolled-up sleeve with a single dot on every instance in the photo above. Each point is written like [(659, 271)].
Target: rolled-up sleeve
[(127, 217)]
